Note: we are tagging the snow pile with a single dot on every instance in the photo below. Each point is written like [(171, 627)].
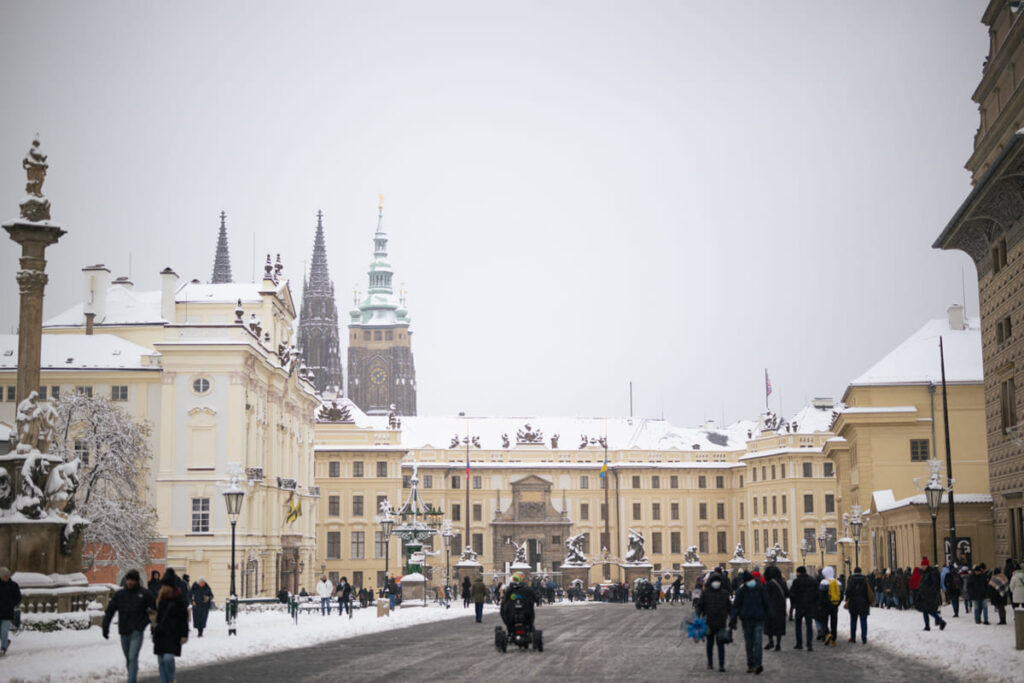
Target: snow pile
[(969, 651), (85, 656)]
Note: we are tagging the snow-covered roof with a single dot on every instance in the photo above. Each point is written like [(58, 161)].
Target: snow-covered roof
[(885, 500), (780, 451), (222, 293), (79, 351), (811, 419), (916, 360)]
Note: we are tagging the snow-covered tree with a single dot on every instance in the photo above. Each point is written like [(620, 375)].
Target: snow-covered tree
[(113, 490)]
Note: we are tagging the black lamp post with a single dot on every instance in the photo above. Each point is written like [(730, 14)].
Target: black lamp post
[(387, 523), (822, 541), (933, 494), (233, 500), (855, 525), (804, 549), (447, 536)]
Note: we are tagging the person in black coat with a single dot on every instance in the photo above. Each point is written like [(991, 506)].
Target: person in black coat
[(714, 605), (10, 596), (343, 591), (467, 591), (752, 607), (171, 628), (858, 601), (928, 598), (803, 594), (154, 583), (775, 625), (201, 599), (132, 604)]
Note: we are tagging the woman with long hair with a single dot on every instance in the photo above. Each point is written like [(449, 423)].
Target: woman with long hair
[(170, 631)]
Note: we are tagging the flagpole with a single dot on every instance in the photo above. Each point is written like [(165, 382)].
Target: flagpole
[(468, 539)]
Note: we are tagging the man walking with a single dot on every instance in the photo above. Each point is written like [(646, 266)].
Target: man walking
[(132, 605), (977, 591), (953, 587), (859, 596), (803, 595), (479, 593), (344, 593), (10, 596), (928, 599), (324, 589), (830, 594), (751, 606)]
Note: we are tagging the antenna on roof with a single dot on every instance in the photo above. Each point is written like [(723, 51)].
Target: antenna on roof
[(129, 265), (254, 256), (963, 291), (631, 398)]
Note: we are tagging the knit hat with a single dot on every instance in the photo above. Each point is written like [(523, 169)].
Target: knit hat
[(801, 569), (132, 574), (170, 578), (5, 573), (924, 562)]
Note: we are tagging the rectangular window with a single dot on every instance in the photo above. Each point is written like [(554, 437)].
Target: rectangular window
[(743, 538), (378, 335), (655, 482), (42, 393), (830, 544), (334, 506), (456, 512), (656, 543), (764, 473), (556, 541), (741, 481), (636, 482), (604, 540), (478, 512), (457, 482), (773, 471), (357, 506), (428, 481), (785, 540), (830, 502), (358, 545), (757, 542), (478, 481), (12, 393), (753, 474), (720, 510), (478, 544), (378, 545), (782, 471), (918, 450), (741, 509), (584, 482), (703, 511), (784, 503), (333, 545), (719, 482), (775, 507), (808, 470), (656, 511), (380, 499), (84, 391), (584, 512), (367, 335), (703, 542), (382, 468), (673, 482), (82, 451), (702, 482), (675, 511), (118, 392), (808, 503), (357, 468), (389, 335), (636, 510), (764, 535), (406, 481), (1009, 403), (722, 542), (200, 515), (809, 538), (334, 469), (676, 541), (755, 506), (54, 392), (357, 580), (775, 536), (602, 482)]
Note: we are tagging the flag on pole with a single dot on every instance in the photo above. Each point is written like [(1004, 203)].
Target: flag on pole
[(767, 384), (604, 469)]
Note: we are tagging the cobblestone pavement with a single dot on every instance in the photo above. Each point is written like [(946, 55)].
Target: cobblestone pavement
[(581, 643)]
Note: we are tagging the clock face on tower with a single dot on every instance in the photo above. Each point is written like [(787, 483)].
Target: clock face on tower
[(378, 376)]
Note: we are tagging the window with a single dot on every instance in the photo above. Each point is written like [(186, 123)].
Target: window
[(380, 499), (743, 538), (382, 468), (764, 473), (478, 512), (757, 542), (764, 535), (604, 512), (829, 470), (118, 392), (675, 511), (1009, 403), (918, 450), (478, 544), (357, 580), (775, 536), (830, 502), (755, 506), (703, 541), (808, 503), (702, 482), (406, 482), (584, 512), (334, 468), (720, 510), (775, 507), (782, 471), (602, 481), (833, 537), (785, 540), (675, 540), (773, 471), (200, 385), (378, 335), (200, 515), (428, 481), (456, 482), (556, 541), (703, 511), (54, 392), (753, 474), (636, 482), (84, 391), (673, 482), (456, 513), (722, 542), (12, 393), (334, 506), (784, 496), (357, 506), (82, 451), (741, 509), (719, 482), (809, 537), (333, 545), (655, 482), (636, 510), (741, 481), (999, 256), (457, 542), (656, 543), (42, 393), (366, 335), (357, 468), (358, 545), (478, 481), (389, 335), (656, 511), (808, 470), (584, 482)]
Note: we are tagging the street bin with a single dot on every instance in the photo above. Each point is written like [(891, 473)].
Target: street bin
[(1018, 626), (383, 608)]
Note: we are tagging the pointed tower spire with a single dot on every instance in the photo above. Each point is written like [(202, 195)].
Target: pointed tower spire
[(222, 261), (318, 320)]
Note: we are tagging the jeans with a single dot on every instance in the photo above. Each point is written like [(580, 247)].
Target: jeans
[(980, 608), (479, 610), (325, 606), (939, 621), (831, 622), (954, 600), (802, 619), (166, 664), (343, 606), (752, 633), (131, 644), (712, 641), (391, 601), (5, 629), (863, 627)]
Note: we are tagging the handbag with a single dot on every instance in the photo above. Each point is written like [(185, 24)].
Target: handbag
[(16, 622), (724, 636)]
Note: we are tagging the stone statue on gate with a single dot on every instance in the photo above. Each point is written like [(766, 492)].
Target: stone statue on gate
[(691, 556), (519, 552), (574, 550), (635, 551)]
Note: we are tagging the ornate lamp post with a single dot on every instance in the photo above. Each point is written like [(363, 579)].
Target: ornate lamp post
[(804, 549), (823, 539), (233, 496), (387, 523), (603, 442), (933, 491), (856, 520), (447, 534)]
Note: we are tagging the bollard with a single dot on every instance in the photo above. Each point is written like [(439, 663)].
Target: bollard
[(231, 614), (293, 609), (1018, 627)]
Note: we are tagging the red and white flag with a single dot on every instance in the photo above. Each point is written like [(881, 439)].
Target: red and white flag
[(767, 384)]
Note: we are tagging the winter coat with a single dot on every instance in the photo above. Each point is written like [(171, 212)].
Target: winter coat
[(132, 608), (825, 605), (928, 593), (714, 606), (343, 591), (997, 586), (201, 598), (899, 586), (324, 588), (466, 588), (10, 596), (751, 604), (977, 586), (1017, 586), (171, 624), (154, 584), (915, 579), (479, 590), (775, 625), (857, 595), (954, 585), (803, 594)]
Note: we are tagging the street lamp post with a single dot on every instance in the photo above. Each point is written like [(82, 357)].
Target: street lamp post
[(233, 501), (387, 523), (933, 491), (822, 542), (447, 534), (804, 549)]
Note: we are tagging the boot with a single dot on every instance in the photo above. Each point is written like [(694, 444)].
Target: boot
[(778, 644)]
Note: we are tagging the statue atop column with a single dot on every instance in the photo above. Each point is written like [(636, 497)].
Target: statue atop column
[(35, 207)]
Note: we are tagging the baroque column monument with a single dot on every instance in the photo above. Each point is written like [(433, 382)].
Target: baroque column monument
[(40, 535)]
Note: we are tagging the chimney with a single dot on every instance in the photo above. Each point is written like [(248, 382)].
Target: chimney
[(124, 282), (956, 317), (168, 287), (97, 279)]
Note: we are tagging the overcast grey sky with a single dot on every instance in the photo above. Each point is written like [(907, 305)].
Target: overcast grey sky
[(578, 194)]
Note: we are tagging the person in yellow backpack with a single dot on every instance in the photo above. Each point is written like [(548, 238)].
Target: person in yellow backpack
[(830, 594)]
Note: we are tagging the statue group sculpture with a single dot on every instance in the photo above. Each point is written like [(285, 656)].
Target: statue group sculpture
[(519, 552), (635, 551), (574, 550), (691, 556)]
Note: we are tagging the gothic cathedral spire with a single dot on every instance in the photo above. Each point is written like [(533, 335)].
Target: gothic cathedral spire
[(222, 261), (318, 320)]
